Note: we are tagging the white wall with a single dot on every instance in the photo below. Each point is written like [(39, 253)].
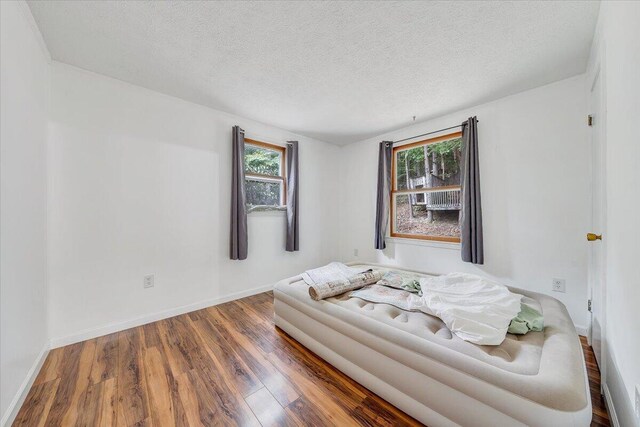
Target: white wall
[(139, 183), (23, 123), (534, 157), (617, 49)]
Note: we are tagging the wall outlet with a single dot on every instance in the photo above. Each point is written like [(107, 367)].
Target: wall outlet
[(558, 285), (148, 281), (355, 252), (638, 402)]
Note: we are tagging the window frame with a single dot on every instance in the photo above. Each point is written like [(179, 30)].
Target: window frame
[(395, 192), (270, 178)]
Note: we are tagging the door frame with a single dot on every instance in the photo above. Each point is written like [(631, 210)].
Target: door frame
[(598, 72)]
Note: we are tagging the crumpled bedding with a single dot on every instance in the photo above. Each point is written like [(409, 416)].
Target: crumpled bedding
[(474, 308), (383, 294), (401, 280)]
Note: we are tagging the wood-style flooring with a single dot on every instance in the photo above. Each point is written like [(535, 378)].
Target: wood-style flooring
[(600, 414), (223, 365)]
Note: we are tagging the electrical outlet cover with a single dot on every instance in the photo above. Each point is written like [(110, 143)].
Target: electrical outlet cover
[(558, 285)]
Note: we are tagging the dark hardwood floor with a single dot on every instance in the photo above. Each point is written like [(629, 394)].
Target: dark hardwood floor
[(224, 365), (600, 414)]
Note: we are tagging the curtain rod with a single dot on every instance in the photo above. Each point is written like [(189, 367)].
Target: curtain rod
[(430, 133)]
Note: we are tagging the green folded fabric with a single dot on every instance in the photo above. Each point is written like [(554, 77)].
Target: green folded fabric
[(412, 286), (401, 280), (529, 319)]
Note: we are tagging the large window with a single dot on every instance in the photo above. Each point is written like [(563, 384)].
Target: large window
[(264, 173), (425, 196)]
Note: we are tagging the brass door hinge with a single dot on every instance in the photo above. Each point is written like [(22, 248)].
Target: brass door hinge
[(590, 120)]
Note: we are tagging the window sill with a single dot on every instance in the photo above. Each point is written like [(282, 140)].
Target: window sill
[(261, 208), (428, 243)]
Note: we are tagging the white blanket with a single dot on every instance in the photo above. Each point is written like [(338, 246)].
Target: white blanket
[(474, 308)]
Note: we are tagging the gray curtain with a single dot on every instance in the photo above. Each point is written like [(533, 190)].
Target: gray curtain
[(292, 197), (384, 192), (239, 241), (471, 233)]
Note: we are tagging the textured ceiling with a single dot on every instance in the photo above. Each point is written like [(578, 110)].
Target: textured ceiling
[(336, 71)]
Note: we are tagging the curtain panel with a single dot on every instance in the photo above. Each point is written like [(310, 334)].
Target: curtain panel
[(293, 234), (472, 246), (239, 239), (383, 193)]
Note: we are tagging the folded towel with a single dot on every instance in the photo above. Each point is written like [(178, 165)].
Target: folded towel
[(328, 273), (337, 287), (529, 319)]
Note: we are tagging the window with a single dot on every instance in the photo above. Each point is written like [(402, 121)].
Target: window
[(264, 173), (425, 192)]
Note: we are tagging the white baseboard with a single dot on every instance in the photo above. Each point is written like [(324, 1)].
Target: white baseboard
[(582, 330), (91, 333), (610, 408), (12, 411)]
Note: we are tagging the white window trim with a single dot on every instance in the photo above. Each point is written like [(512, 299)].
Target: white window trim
[(423, 242), (265, 209)]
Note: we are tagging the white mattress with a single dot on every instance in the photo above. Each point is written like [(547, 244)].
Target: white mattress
[(543, 368)]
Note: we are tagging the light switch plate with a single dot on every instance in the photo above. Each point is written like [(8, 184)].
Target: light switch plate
[(148, 281)]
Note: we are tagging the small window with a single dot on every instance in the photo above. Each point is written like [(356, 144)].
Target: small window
[(426, 192), (264, 174)]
